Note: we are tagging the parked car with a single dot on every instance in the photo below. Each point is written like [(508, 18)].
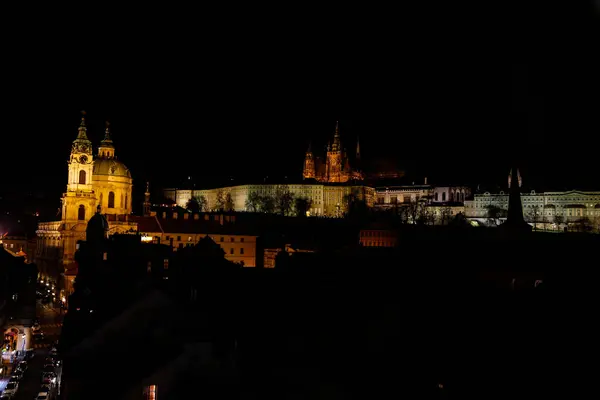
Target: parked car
[(11, 389), (22, 366), (42, 396), (18, 375)]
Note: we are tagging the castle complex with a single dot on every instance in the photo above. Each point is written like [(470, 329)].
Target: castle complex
[(336, 167)]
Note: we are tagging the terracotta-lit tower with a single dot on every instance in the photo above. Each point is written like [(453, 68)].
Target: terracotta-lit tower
[(309, 164), (334, 157)]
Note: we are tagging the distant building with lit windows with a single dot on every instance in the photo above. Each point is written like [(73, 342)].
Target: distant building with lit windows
[(548, 209)]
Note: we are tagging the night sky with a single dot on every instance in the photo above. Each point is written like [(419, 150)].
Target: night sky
[(441, 96)]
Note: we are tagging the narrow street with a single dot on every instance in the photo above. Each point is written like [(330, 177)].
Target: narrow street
[(51, 324)]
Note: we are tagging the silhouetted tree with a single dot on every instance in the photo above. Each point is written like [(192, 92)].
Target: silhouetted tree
[(202, 203), (220, 201), (415, 211), (584, 225), (459, 220), (534, 216), (192, 205), (228, 204), (558, 220), (283, 200), (494, 213), (267, 204), (253, 202), (355, 204), (445, 215), (302, 206)]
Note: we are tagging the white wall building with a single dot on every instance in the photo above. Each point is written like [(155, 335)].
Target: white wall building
[(572, 206)]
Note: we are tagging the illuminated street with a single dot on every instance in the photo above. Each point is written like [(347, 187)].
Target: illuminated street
[(51, 323)]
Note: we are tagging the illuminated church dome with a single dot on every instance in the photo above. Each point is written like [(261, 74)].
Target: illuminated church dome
[(110, 167)]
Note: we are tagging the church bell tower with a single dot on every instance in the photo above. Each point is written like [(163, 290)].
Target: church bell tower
[(79, 201)]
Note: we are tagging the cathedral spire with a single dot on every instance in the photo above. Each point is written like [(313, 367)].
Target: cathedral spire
[(357, 149), (515, 220), (147, 203), (336, 138)]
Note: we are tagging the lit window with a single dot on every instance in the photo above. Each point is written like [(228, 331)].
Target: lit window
[(105, 256), (150, 392), (166, 263)]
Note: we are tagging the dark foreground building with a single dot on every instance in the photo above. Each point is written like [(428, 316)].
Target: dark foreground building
[(450, 311)]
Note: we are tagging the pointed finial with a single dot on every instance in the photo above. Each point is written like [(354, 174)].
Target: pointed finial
[(147, 187), (337, 127), (83, 113), (107, 131)]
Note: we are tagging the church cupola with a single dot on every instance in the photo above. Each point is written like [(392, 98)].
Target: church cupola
[(106, 148)]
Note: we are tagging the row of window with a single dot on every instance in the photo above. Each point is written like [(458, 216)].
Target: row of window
[(190, 238), (231, 250)]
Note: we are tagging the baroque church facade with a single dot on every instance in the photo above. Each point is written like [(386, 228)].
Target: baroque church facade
[(95, 183), (335, 168)]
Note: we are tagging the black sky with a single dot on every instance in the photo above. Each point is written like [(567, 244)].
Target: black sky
[(443, 92)]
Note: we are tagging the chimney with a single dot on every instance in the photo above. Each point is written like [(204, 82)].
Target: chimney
[(175, 215), (186, 216), (196, 216), (164, 214), (426, 180)]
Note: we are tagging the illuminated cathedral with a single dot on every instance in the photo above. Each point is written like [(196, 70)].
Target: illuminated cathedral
[(336, 165)]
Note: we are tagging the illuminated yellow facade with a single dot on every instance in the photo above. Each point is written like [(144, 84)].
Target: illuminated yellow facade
[(98, 183), (326, 200)]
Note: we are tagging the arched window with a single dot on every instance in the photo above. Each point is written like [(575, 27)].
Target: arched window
[(443, 196), (111, 199), (436, 196), (82, 177), (81, 213), (126, 198)]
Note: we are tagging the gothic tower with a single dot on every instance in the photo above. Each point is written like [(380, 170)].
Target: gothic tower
[(147, 203), (309, 164), (334, 158), (79, 201)]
